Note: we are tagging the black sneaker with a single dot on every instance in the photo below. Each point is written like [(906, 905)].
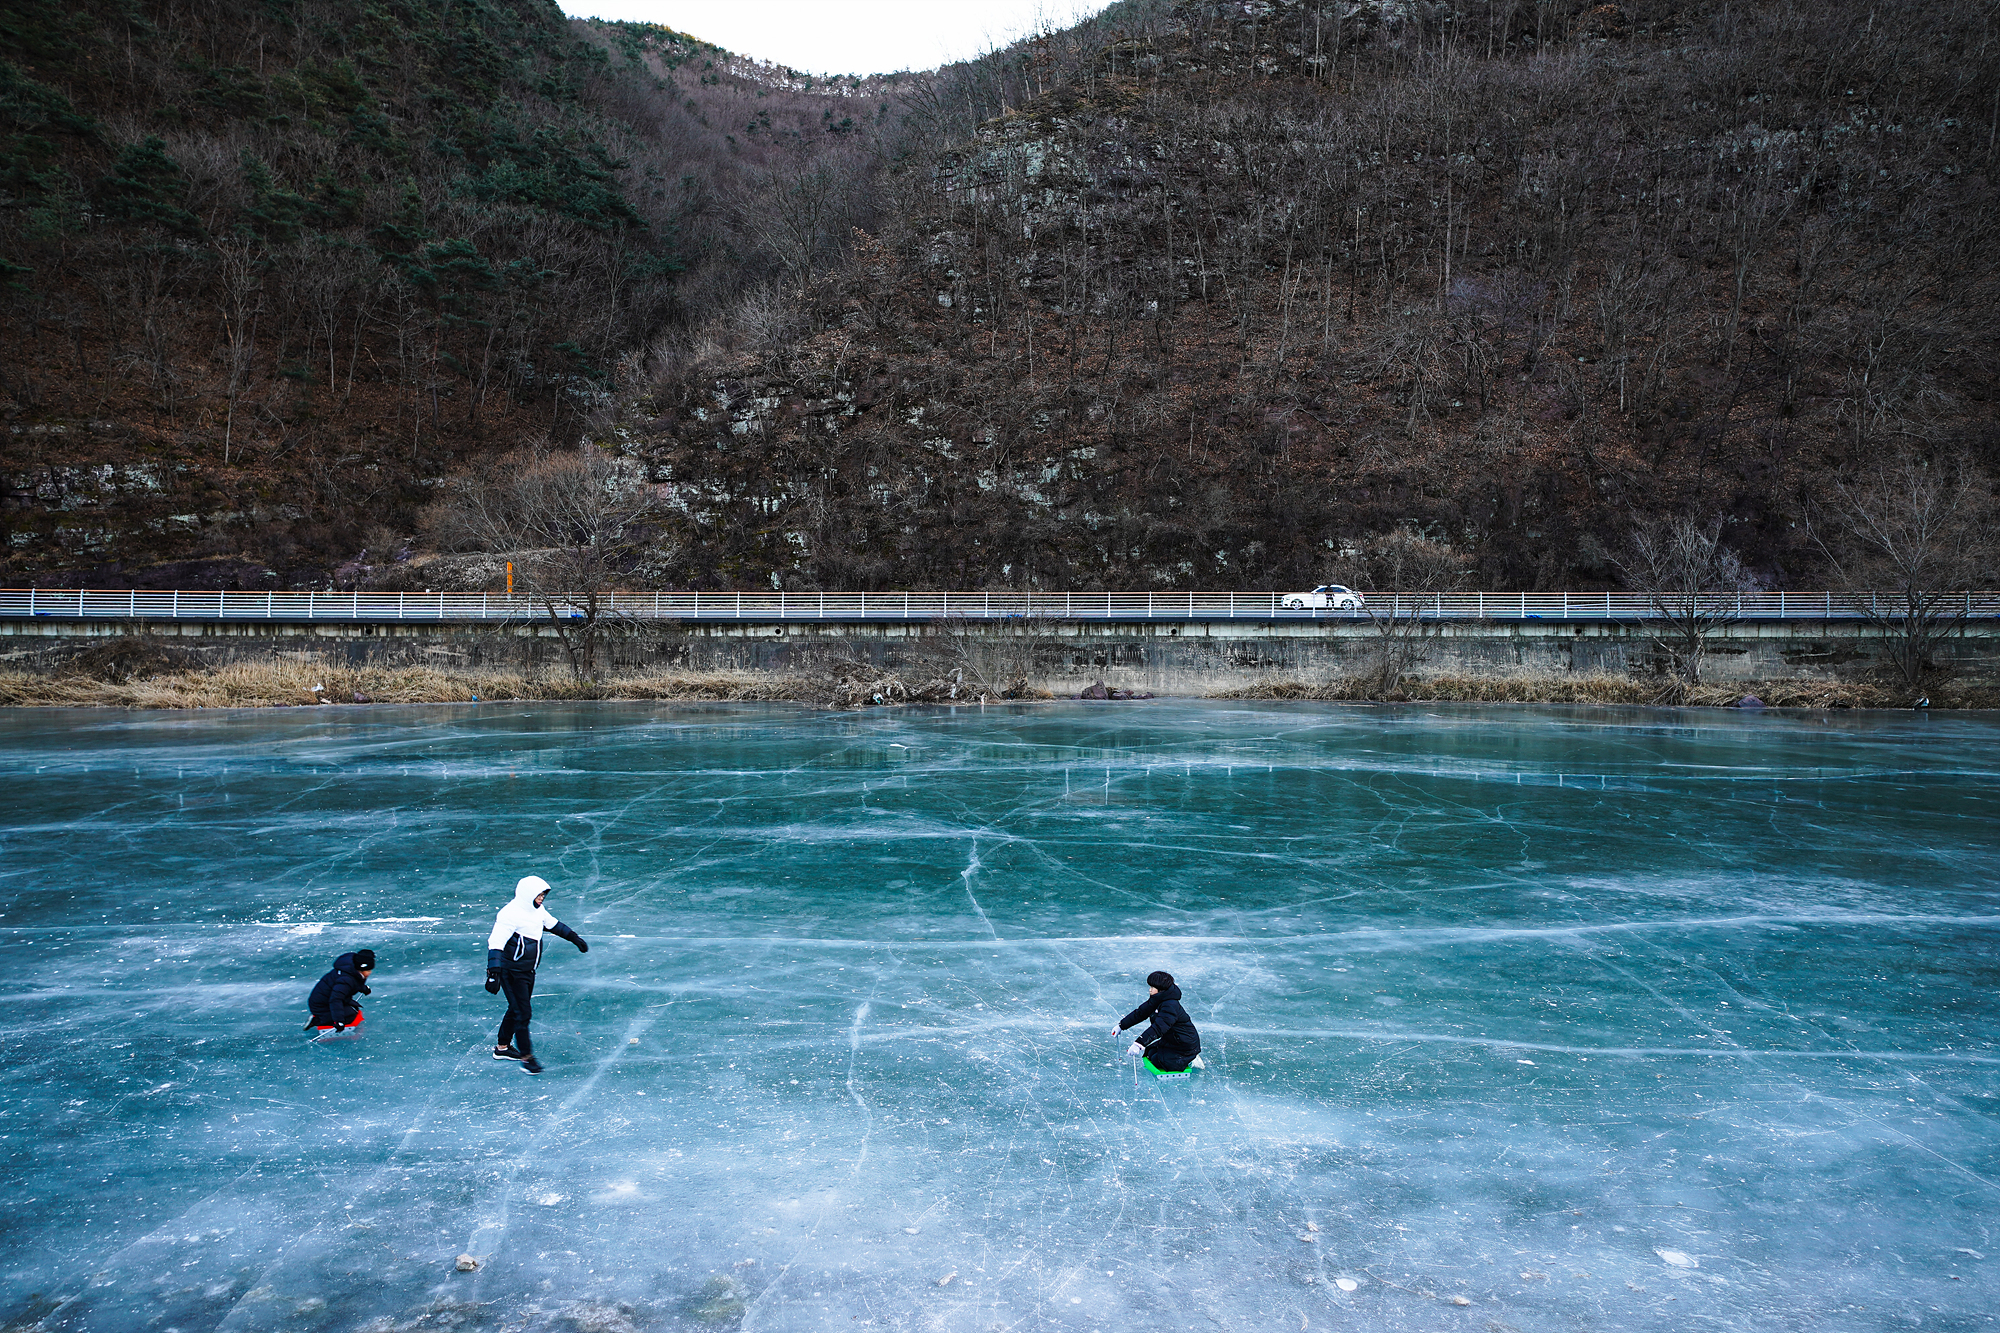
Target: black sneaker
[(531, 1064), (505, 1053)]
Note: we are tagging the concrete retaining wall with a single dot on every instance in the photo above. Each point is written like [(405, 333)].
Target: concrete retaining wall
[(1166, 658)]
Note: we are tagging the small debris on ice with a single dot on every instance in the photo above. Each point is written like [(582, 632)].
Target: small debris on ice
[(909, 1231), (1532, 1275), (1346, 1284), (1312, 1226), (466, 1263), (946, 1280), (1460, 1300), (1677, 1259), (1304, 1239)]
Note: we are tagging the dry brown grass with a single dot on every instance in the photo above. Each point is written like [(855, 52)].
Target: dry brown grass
[(290, 683), (1610, 688), (284, 684)]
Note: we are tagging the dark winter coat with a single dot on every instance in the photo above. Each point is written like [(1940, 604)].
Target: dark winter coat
[(332, 1001), (1171, 1031)]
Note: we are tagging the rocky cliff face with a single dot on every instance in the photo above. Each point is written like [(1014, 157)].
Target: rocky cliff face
[(1287, 274), (1218, 296)]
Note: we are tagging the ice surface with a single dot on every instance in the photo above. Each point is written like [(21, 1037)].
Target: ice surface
[(1515, 1019)]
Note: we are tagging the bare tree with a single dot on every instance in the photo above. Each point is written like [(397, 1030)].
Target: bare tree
[(240, 302), (1679, 562), (1406, 574), (574, 525), (801, 211), (993, 660), (1907, 538)]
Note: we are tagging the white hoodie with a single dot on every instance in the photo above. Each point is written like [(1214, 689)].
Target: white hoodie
[(521, 917)]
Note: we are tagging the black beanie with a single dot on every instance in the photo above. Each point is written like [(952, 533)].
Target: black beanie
[(1162, 980), (364, 958)]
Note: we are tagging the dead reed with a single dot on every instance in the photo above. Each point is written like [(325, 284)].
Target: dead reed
[(292, 683), (287, 684), (1611, 688)]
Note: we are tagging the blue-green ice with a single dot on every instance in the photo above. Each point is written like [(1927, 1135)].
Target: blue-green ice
[(1514, 1019)]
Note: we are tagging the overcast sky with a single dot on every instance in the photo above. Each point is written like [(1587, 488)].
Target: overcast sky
[(847, 36)]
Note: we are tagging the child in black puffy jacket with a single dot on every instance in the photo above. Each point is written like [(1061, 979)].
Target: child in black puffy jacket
[(1170, 1042), (332, 1001)]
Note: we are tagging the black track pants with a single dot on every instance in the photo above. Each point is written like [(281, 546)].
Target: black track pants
[(519, 988)]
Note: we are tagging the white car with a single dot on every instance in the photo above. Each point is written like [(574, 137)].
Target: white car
[(1326, 597)]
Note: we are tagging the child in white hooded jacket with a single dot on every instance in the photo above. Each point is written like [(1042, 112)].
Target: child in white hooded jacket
[(513, 948)]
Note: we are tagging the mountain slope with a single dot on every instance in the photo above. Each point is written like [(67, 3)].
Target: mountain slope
[(1195, 294), (274, 266), (1270, 279)]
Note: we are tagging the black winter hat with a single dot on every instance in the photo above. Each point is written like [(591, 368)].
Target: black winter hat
[(364, 958), (1160, 979)]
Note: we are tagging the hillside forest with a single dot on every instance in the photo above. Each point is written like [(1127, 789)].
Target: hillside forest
[(1196, 294)]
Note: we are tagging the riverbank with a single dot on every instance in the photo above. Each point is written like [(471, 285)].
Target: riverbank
[(1609, 688), (290, 684)]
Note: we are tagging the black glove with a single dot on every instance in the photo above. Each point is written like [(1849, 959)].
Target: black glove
[(570, 935), (492, 981), (578, 941), (364, 991)]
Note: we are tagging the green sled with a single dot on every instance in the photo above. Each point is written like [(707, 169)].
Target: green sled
[(1157, 1072)]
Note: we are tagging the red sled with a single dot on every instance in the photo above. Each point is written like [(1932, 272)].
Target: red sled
[(358, 1016)]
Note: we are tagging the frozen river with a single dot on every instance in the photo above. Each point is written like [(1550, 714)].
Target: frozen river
[(1515, 1020)]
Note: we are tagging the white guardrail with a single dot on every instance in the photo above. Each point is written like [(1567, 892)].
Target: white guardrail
[(851, 607)]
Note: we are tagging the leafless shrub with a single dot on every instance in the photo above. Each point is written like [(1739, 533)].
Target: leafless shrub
[(1908, 537), (575, 526), (993, 658), (1405, 573), (1678, 561)]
